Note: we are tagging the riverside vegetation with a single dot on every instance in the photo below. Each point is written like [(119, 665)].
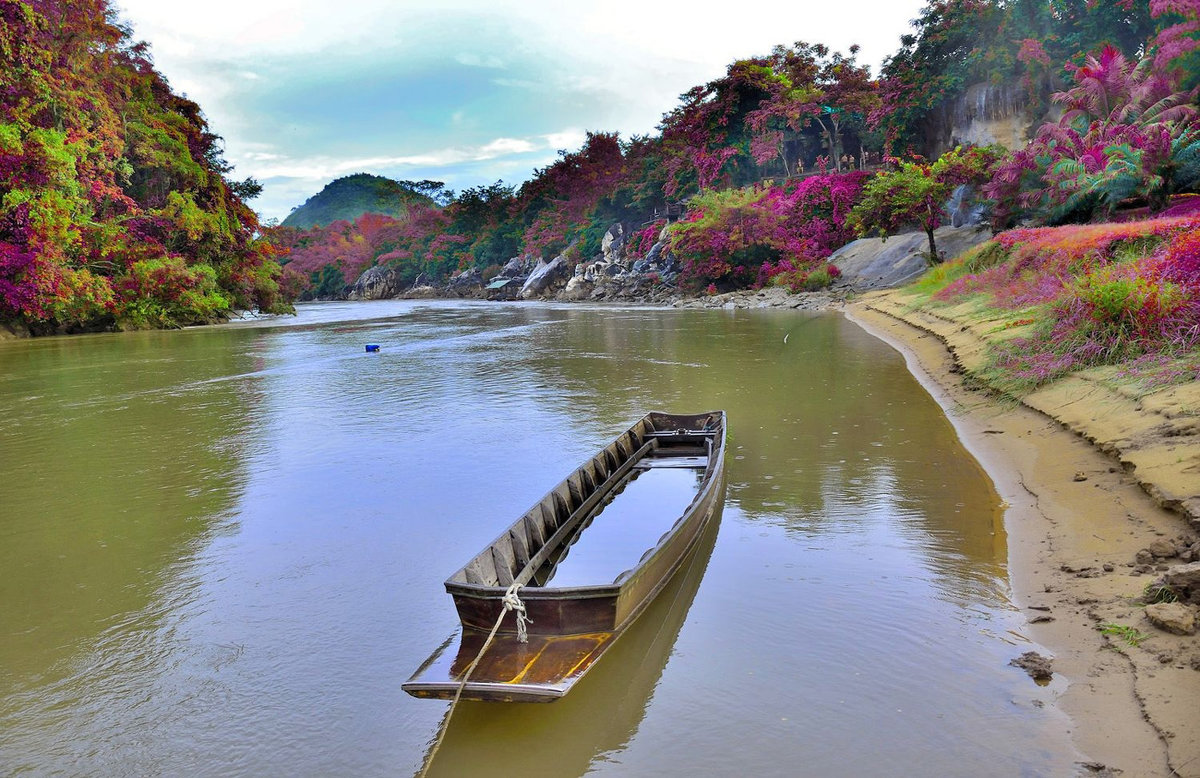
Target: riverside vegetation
[(117, 209)]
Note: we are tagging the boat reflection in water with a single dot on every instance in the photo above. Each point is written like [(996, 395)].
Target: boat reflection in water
[(603, 711)]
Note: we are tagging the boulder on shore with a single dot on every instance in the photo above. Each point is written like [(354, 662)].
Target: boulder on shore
[(1174, 617), (1183, 581), (544, 276), (875, 263), (376, 283), (468, 283)]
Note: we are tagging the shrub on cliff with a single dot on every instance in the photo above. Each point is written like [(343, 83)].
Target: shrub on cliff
[(738, 237)]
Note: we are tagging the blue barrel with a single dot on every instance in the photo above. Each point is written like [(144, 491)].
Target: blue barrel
[(372, 347)]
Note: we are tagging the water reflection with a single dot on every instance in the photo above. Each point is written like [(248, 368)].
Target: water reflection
[(111, 480), (821, 439), (222, 550), (598, 717)]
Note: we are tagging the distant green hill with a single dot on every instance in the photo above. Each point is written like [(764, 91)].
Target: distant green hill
[(350, 197)]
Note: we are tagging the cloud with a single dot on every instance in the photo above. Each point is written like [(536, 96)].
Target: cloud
[(307, 89), (280, 166), (474, 60), (567, 139), (287, 182)]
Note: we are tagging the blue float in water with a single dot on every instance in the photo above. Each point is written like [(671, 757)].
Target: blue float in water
[(372, 347)]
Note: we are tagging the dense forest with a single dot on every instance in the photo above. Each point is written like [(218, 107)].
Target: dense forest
[(116, 205), (768, 159), (116, 208)]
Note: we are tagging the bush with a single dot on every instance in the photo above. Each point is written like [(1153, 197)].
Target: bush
[(737, 237), (1099, 294), (167, 293)]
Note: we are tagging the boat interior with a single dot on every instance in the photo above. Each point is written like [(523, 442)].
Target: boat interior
[(530, 551)]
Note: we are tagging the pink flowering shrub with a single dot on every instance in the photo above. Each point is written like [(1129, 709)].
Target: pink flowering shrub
[(644, 239), (1125, 133), (741, 237)]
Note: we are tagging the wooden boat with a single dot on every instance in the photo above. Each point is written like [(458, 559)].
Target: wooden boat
[(571, 626)]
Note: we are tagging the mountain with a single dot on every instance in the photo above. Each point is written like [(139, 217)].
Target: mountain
[(350, 197)]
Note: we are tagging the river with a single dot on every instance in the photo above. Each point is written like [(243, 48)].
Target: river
[(222, 550)]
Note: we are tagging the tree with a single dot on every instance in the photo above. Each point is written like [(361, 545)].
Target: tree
[(933, 66), (708, 133), (916, 193), (808, 88), (114, 195)]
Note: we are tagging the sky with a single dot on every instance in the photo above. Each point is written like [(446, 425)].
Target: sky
[(462, 91)]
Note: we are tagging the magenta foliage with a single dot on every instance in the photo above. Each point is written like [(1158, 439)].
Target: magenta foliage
[(1181, 265), (1178, 39), (16, 293), (644, 239), (782, 229), (1033, 52), (1099, 302)]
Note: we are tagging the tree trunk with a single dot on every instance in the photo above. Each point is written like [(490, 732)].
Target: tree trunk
[(934, 259)]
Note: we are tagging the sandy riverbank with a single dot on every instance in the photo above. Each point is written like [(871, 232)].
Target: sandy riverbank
[(1079, 514)]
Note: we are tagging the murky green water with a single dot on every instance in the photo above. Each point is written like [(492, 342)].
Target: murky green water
[(222, 550)]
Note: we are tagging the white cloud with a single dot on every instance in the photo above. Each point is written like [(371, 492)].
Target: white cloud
[(274, 165), (471, 59), (617, 66), (567, 139), (502, 146)]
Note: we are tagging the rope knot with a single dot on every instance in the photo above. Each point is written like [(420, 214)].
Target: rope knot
[(513, 603)]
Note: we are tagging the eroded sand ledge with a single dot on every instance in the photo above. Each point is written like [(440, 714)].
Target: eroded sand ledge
[(1077, 463)]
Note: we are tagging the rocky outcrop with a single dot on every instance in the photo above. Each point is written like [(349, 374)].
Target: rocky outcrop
[(985, 113), (468, 283), (13, 330), (874, 263), (611, 276), (544, 276), (517, 267), (612, 245), (376, 283)]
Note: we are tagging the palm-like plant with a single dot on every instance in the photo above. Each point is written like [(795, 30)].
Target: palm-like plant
[(1126, 131)]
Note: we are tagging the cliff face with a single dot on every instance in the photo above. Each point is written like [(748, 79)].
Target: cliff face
[(986, 113)]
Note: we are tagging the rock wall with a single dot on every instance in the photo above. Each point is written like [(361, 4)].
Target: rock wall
[(376, 283), (986, 113)]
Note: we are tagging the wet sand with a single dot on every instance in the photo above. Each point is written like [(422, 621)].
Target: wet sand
[(1078, 465)]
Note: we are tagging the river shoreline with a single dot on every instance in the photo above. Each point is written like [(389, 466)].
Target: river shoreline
[(1076, 521)]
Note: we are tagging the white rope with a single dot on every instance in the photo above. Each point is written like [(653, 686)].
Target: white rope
[(511, 602)]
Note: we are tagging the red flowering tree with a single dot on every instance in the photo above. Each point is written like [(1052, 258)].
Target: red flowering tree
[(708, 132), (105, 172), (737, 237), (812, 91)]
